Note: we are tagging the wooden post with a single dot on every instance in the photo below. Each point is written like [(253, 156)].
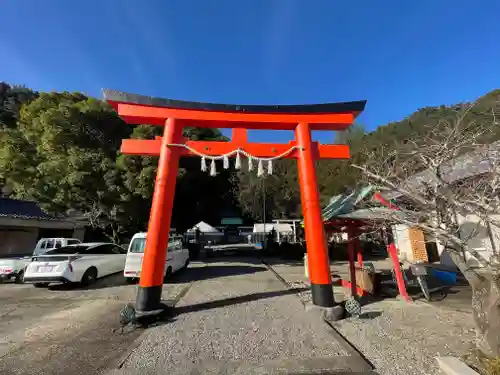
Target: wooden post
[(352, 266), (391, 249), (359, 251)]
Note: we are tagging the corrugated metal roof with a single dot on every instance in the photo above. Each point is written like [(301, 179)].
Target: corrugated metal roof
[(18, 209), (343, 204), (374, 213)]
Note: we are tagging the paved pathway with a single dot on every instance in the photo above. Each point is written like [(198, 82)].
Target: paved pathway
[(238, 318)]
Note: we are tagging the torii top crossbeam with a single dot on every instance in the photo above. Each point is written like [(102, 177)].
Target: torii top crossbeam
[(139, 109), (175, 115)]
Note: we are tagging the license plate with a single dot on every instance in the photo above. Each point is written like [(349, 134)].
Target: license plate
[(5, 270), (45, 269)]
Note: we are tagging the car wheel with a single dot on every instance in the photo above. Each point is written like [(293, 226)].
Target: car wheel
[(168, 273), (41, 285), (130, 280), (19, 278), (89, 277)]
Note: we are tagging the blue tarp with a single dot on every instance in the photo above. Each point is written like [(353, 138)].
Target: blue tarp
[(446, 277)]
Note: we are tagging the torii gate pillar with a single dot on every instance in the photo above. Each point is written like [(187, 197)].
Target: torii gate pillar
[(318, 261), (174, 115), (155, 254)]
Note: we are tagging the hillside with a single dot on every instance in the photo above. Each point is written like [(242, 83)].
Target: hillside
[(54, 140), (335, 176), (417, 124)]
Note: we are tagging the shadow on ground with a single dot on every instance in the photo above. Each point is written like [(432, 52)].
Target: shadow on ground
[(110, 281), (171, 311), (212, 272), (182, 276), (235, 300), (456, 297), (370, 315), (250, 257)]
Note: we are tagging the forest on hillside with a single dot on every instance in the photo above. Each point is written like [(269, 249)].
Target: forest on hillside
[(61, 150)]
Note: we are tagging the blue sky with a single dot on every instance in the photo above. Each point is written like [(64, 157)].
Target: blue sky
[(399, 55)]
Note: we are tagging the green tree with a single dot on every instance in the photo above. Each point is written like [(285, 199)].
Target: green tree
[(198, 196), (62, 155), (279, 190), (282, 189), (11, 100), (352, 136)]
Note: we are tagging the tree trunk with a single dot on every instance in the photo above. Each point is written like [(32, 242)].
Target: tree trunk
[(486, 310), (485, 283), (114, 236)]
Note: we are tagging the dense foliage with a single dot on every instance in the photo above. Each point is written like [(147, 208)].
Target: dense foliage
[(62, 150)]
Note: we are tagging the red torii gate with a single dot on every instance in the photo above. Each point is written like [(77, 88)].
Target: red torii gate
[(175, 115)]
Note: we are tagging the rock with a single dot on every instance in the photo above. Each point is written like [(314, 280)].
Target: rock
[(330, 314)]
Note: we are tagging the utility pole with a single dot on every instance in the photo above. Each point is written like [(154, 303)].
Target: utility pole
[(264, 211)]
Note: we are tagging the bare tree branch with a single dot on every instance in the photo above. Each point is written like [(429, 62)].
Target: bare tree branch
[(448, 172)]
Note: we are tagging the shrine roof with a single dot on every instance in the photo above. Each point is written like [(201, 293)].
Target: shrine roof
[(372, 214), (116, 97)]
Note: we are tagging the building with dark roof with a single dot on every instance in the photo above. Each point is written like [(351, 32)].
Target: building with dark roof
[(23, 223)]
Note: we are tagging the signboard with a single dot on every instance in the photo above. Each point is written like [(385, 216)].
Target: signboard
[(231, 221)]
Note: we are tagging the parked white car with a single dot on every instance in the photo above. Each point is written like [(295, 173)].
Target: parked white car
[(47, 244), (13, 268), (177, 256), (82, 263)]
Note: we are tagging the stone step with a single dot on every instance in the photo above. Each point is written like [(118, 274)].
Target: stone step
[(454, 366), (339, 365)]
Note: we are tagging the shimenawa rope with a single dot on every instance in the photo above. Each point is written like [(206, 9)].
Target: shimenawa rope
[(237, 164)]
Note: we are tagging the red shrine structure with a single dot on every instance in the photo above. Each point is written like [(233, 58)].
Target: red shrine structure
[(175, 115)]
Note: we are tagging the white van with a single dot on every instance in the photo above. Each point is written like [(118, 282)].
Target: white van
[(46, 244), (177, 256)]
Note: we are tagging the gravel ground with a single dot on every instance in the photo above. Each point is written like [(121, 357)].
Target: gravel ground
[(305, 294), (65, 329), (244, 315), (397, 337), (401, 338), (293, 273)]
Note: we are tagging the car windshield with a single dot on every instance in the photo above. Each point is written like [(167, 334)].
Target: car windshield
[(137, 245), (39, 251), (67, 250)]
